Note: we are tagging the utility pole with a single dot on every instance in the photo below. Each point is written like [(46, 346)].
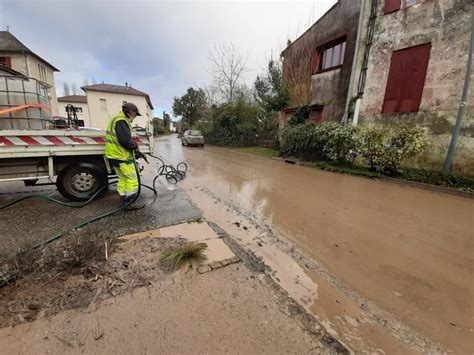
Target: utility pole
[(354, 62), (452, 147)]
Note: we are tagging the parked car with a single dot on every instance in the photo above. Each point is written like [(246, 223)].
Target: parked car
[(192, 137)]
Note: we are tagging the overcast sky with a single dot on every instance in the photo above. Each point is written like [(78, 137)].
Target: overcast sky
[(160, 47)]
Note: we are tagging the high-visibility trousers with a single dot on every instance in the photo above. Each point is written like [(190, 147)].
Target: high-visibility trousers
[(127, 177)]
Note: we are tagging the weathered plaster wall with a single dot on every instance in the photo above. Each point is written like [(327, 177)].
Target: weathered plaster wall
[(446, 25), (114, 101), (330, 87)]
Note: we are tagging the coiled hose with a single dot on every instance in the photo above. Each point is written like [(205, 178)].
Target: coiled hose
[(168, 169)]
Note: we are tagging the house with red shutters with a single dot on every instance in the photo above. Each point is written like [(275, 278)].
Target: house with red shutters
[(409, 66)]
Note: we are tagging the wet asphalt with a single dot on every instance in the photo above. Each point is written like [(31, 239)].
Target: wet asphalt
[(34, 220)]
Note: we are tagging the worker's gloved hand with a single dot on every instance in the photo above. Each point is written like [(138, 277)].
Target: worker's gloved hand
[(140, 155)]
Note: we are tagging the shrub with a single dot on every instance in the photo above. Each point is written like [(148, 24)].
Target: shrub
[(328, 141), (235, 124), (160, 130), (340, 143), (384, 148), (300, 116), (204, 127)]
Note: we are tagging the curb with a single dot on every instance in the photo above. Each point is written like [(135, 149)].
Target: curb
[(288, 305), (401, 182)]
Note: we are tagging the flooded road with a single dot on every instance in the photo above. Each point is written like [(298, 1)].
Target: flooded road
[(407, 250)]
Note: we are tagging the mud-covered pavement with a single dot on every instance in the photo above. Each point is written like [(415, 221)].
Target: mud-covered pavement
[(384, 268), (390, 267)]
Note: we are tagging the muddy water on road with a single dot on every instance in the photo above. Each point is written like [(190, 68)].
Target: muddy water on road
[(410, 251)]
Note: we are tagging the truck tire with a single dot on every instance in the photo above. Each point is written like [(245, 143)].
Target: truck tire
[(79, 182)]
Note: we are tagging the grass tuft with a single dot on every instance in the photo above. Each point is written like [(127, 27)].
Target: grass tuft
[(184, 255)]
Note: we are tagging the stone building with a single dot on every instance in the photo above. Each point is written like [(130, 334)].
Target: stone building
[(410, 67), (317, 65), (415, 72)]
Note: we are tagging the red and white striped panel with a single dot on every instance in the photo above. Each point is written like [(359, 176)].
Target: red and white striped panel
[(55, 140)]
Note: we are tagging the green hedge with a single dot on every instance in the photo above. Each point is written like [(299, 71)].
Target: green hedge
[(328, 141), (382, 149)]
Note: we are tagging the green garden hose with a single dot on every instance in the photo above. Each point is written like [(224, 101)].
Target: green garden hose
[(169, 168), (79, 205)]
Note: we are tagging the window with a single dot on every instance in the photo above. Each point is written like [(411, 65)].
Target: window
[(6, 61), (103, 105), (406, 79), (328, 56), (334, 56), (42, 73), (413, 2)]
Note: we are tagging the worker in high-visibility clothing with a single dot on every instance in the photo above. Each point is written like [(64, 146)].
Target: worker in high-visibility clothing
[(119, 150)]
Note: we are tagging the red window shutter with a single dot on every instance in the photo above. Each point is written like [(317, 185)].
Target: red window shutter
[(392, 6), (406, 79)]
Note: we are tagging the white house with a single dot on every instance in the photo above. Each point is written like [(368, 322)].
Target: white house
[(80, 104), (15, 55), (104, 101)]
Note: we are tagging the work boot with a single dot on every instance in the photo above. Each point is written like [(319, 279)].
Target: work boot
[(133, 206)]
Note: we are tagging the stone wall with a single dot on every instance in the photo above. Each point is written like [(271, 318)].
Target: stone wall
[(446, 25)]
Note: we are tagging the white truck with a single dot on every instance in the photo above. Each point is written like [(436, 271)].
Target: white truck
[(32, 148)]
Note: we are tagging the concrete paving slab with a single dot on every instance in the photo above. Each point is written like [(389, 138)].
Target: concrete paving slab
[(154, 233), (217, 251), (194, 232)]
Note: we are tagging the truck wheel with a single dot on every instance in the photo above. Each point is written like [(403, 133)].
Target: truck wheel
[(80, 181)]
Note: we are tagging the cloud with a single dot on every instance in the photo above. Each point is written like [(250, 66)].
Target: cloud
[(161, 47)]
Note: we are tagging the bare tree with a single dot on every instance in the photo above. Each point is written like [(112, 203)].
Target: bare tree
[(229, 64), (66, 91), (212, 95), (74, 88), (94, 82), (297, 71), (85, 82)]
